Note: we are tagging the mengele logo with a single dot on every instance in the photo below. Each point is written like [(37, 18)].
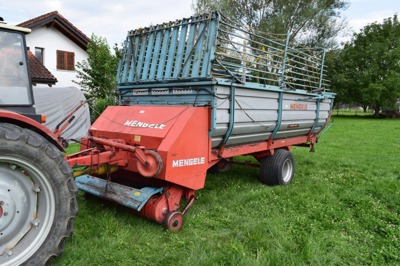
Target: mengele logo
[(135, 123), (188, 162), (299, 106)]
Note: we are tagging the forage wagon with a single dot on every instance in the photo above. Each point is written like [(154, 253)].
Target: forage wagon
[(194, 93)]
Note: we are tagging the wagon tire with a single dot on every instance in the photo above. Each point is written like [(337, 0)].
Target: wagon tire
[(222, 166), (38, 194), (277, 169)]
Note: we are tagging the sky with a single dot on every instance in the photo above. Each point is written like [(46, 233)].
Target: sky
[(112, 19), (363, 12)]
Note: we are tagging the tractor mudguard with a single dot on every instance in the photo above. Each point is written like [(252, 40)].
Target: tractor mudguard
[(26, 122)]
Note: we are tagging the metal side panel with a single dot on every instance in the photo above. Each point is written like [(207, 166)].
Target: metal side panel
[(247, 128), (256, 114), (242, 139), (242, 116), (250, 103), (298, 115), (326, 105), (222, 90), (248, 138), (282, 134)]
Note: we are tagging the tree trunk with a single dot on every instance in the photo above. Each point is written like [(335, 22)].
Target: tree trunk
[(376, 111), (364, 107)]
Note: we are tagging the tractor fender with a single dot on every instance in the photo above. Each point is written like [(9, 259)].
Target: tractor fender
[(26, 122)]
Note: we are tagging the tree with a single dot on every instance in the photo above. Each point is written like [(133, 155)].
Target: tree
[(368, 66), (338, 79), (310, 22), (97, 74)]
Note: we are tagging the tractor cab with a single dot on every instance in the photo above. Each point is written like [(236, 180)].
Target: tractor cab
[(15, 85)]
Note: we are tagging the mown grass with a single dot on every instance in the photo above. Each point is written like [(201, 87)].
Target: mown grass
[(342, 208), (352, 112)]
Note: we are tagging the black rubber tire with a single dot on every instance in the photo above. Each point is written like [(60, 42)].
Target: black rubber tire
[(277, 169), (56, 202), (221, 167)]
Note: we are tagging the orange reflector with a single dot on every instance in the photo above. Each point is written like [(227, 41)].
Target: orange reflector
[(43, 119)]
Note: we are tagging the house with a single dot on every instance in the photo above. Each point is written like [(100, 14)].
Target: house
[(58, 45)]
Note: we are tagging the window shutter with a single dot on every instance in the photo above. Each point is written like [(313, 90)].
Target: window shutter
[(70, 61), (65, 60), (60, 60)]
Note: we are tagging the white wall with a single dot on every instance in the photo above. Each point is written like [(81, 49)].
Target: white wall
[(52, 40)]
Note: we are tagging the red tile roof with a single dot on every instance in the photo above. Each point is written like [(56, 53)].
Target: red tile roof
[(56, 20), (39, 73)]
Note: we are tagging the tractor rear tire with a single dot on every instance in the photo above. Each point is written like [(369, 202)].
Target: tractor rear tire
[(37, 198), (277, 169)]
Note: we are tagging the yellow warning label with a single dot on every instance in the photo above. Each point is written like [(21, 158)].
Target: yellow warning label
[(136, 194), (136, 138)]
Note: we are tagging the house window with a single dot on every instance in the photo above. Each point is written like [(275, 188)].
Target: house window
[(65, 60), (39, 54)]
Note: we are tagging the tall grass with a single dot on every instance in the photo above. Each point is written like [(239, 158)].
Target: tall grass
[(342, 208)]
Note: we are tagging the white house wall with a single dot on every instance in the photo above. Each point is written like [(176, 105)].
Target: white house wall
[(52, 40)]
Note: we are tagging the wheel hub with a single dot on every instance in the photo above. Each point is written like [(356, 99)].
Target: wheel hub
[(18, 206), (287, 170), (153, 166)]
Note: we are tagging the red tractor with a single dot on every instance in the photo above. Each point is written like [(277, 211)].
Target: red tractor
[(37, 192)]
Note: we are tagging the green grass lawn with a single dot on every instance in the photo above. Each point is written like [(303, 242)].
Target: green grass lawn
[(343, 112), (342, 208)]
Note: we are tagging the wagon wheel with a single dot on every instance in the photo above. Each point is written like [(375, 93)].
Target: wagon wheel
[(174, 221), (221, 167), (277, 169)]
